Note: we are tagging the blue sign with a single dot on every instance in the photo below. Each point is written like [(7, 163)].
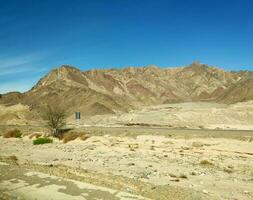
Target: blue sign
[(78, 115)]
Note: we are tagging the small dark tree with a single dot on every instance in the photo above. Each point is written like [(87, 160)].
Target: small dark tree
[(55, 116)]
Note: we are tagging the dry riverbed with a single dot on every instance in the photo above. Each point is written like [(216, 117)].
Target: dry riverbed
[(160, 166)]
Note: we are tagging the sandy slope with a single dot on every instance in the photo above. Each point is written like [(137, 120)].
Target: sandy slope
[(184, 115)]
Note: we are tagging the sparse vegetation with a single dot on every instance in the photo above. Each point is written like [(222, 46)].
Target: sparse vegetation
[(42, 140), (13, 158), (206, 163), (66, 137), (15, 133)]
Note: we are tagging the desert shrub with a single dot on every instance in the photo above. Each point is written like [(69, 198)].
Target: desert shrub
[(66, 137), (15, 133), (42, 140), (206, 163), (13, 158)]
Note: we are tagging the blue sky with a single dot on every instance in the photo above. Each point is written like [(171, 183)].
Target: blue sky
[(36, 36)]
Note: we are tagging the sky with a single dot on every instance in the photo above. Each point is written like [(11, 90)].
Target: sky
[(37, 36)]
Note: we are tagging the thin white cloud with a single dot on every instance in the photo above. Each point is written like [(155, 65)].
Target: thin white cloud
[(12, 61), (20, 63), (11, 68)]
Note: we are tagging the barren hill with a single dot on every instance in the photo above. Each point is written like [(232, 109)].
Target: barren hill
[(107, 91)]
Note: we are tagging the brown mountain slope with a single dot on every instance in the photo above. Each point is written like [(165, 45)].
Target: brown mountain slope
[(112, 90), (242, 91)]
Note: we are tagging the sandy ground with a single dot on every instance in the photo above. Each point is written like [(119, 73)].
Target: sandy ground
[(183, 115), (192, 165), (191, 115)]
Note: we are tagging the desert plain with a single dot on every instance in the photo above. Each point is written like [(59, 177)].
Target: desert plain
[(137, 155)]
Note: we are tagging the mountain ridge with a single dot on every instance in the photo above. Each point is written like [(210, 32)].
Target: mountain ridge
[(121, 89)]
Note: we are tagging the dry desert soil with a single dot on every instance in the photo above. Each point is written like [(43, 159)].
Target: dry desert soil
[(130, 163)]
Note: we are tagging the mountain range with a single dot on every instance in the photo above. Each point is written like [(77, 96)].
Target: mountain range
[(107, 91)]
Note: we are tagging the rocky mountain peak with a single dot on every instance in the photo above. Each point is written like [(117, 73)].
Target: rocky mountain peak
[(66, 74)]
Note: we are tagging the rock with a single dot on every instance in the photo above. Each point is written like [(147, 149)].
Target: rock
[(175, 180), (146, 175), (183, 176), (197, 144), (194, 173), (129, 190), (131, 164), (205, 191), (172, 175), (152, 148)]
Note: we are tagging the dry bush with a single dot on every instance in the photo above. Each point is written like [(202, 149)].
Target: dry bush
[(34, 135), (66, 137), (15, 133), (13, 158), (206, 163), (55, 116)]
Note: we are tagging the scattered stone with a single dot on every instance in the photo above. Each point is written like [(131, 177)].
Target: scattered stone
[(194, 173), (131, 164), (183, 176), (146, 175), (205, 191), (172, 175), (197, 144), (228, 170), (175, 180), (152, 147), (230, 167)]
